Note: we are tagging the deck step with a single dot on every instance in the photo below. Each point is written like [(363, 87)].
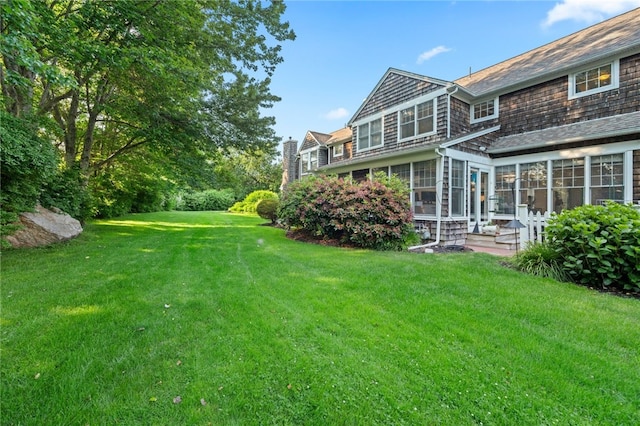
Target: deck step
[(492, 241)]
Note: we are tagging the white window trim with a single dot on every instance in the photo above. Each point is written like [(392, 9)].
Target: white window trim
[(615, 80), (415, 122), (496, 111), (335, 150), (369, 148), (309, 169)]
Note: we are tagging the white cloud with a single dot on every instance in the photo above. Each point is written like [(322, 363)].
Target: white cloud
[(587, 11), (425, 56), (336, 114)]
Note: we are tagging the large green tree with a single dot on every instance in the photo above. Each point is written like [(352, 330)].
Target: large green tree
[(175, 79)]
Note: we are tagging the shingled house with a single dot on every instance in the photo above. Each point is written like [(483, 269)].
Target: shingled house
[(555, 128)]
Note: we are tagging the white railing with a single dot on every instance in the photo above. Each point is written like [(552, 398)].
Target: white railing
[(534, 223)]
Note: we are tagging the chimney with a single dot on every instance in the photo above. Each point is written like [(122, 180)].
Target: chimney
[(289, 169)]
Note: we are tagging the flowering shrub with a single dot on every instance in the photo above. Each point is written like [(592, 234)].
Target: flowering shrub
[(372, 214), (599, 245)]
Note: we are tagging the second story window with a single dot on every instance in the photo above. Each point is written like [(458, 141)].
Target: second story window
[(416, 120), (594, 80), (338, 150), (370, 135), (309, 161), (484, 110)]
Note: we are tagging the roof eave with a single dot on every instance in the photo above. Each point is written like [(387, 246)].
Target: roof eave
[(563, 141)]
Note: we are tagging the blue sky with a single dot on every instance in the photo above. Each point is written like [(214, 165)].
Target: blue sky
[(343, 48)]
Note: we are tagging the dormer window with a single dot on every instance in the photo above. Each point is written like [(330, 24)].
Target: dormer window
[(594, 80), (485, 110)]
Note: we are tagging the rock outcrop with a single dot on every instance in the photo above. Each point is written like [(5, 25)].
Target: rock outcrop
[(44, 227)]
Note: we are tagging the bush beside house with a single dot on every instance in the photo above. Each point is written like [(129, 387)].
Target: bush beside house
[(372, 214), (597, 246)]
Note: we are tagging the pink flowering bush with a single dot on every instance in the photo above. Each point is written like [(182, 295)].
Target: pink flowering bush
[(372, 214)]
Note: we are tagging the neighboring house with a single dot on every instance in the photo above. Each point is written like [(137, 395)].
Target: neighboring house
[(322, 150), (556, 127)]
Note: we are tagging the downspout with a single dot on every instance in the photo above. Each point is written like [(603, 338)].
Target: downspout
[(439, 183), (440, 180)]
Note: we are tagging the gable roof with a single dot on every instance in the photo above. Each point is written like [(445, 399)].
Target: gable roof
[(402, 73), (617, 36), (318, 139), (340, 136)]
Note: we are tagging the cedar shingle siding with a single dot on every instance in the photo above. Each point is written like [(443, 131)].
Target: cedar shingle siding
[(537, 116)]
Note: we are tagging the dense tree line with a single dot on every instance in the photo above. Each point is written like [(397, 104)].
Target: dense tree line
[(138, 96)]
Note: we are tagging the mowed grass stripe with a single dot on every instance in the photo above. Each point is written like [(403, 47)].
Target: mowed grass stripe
[(248, 327)]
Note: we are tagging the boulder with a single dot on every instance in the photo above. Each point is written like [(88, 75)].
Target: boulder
[(44, 227)]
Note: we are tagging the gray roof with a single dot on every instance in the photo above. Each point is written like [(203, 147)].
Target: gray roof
[(617, 125), (618, 36)]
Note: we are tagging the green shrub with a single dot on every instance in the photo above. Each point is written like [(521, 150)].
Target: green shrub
[(541, 259), (371, 214), (209, 200), (268, 209), (249, 204), (67, 191), (27, 161), (599, 245)]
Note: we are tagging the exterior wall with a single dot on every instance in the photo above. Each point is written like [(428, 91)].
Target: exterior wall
[(636, 176), (548, 105), (308, 143), (395, 90), (460, 117)]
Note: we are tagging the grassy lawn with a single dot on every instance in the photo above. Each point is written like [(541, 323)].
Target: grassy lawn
[(209, 318)]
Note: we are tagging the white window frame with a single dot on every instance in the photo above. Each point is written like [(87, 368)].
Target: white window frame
[(615, 80), (368, 136), (308, 161), (496, 110), (434, 129), (338, 150)]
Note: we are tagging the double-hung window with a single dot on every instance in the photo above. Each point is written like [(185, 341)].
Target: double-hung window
[(370, 135), (594, 80), (417, 120), (309, 161), (338, 150)]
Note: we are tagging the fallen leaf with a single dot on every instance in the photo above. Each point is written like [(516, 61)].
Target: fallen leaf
[(153, 399), (179, 362), (289, 386), (220, 388), (177, 399), (167, 306), (37, 376), (202, 401)]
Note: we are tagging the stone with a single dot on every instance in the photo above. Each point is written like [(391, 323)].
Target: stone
[(44, 227)]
